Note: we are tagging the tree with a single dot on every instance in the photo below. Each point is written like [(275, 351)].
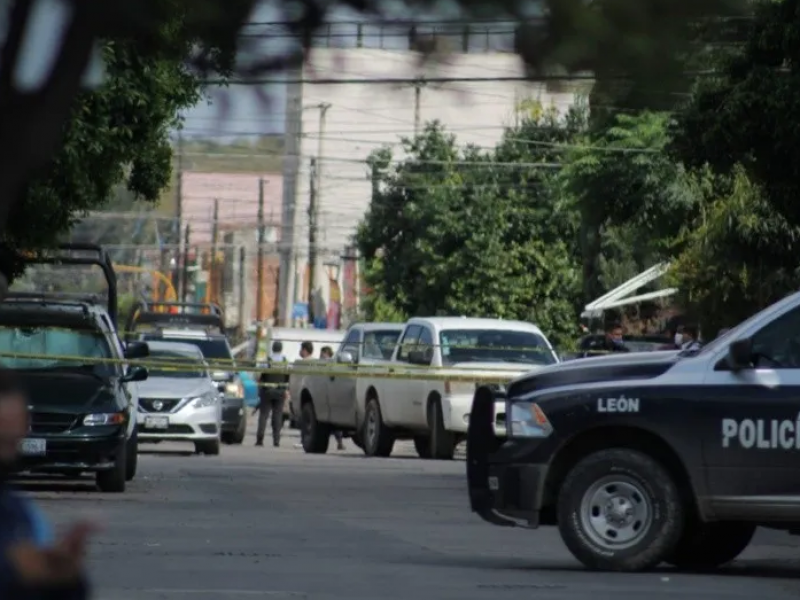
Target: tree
[(455, 234), (630, 196), (738, 256), (748, 114)]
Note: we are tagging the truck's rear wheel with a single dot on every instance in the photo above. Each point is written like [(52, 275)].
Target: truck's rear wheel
[(710, 545), (378, 439), (315, 436), (620, 510), (113, 480), (442, 442)]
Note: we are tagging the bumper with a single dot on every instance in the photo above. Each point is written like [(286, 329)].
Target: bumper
[(188, 425), (502, 493), (233, 413), (456, 410), (75, 452)]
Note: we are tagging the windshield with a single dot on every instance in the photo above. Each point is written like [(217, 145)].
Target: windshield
[(178, 365), (214, 350), (380, 344), (50, 343), (494, 345)]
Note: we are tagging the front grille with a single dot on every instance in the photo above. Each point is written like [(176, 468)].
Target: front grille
[(43, 422), (158, 405), (171, 430)]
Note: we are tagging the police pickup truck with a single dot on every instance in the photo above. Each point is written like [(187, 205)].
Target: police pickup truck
[(653, 457)]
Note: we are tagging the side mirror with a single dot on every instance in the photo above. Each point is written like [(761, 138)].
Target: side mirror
[(345, 358), (740, 354), (134, 350), (136, 373), (419, 357)]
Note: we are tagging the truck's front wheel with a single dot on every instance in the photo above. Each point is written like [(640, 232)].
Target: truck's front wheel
[(710, 545), (314, 435), (378, 439), (620, 510), (443, 442)]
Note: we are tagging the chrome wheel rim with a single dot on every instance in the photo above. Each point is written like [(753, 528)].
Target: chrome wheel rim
[(372, 427), (616, 512)]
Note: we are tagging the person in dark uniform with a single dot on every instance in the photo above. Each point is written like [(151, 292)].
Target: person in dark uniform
[(272, 394), (613, 341)]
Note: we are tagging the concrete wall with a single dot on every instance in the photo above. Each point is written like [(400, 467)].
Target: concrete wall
[(366, 116)]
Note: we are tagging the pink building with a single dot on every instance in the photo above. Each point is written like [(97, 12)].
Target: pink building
[(238, 202)]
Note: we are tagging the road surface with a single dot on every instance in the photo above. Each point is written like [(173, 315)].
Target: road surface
[(275, 523)]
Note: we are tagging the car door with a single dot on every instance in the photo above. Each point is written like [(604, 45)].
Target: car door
[(342, 384), (417, 389), (129, 390), (751, 437), (394, 396)]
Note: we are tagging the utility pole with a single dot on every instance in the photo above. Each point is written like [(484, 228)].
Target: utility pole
[(184, 287), (214, 276), (176, 278), (260, 267), (418, 85), (242, 283), (312, 235)]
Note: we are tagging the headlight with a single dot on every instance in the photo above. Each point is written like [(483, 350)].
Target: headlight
[(527, 420), (234, 389), (205, 401), (104, 419)]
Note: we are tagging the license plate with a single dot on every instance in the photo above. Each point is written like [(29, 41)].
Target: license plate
[(33, 447), (156, 422)]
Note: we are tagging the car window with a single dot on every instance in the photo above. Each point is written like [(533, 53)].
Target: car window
[(351, 343), (380, 344), (214, 350), (175, 365), (425, 343), (777, 345), (494, 345), (409, 342), (56, 347)]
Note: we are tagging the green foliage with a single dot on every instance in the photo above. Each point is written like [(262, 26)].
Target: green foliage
[(118, 133), (458, 232), (736, 260), (631, 198), (746, 114)]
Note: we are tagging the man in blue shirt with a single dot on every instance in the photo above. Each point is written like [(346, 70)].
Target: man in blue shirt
[(33, 565)]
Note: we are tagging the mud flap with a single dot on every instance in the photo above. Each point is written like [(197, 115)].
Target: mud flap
[(481, 444)]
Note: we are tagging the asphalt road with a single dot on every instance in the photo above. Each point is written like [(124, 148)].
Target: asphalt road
[(275, 523)]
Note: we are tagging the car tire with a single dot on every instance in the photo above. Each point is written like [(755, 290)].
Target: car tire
[(628, 487), (132, 458), (237, 437), (209, 448), (227, 437), (442, 442), (358, 440), (114, 480), (378, 438), (314, 436), (422, 444), (706, 546)]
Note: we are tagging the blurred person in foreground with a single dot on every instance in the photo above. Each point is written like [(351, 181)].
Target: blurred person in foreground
[(326, 353), (273, 391), (33, 565)]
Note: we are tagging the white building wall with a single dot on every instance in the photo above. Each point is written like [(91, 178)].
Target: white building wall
[(363, 117)]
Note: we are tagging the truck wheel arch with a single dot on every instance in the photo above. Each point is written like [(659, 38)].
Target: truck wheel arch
[(616, 436), (305, 398)]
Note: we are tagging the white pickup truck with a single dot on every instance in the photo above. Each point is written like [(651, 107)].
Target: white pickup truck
[(434, 413), (335, 401)]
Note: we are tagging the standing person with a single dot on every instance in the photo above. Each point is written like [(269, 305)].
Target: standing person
[(326, 353), (33, 566), (676, 337), (613, 339), (690, 338), (272, 394)]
